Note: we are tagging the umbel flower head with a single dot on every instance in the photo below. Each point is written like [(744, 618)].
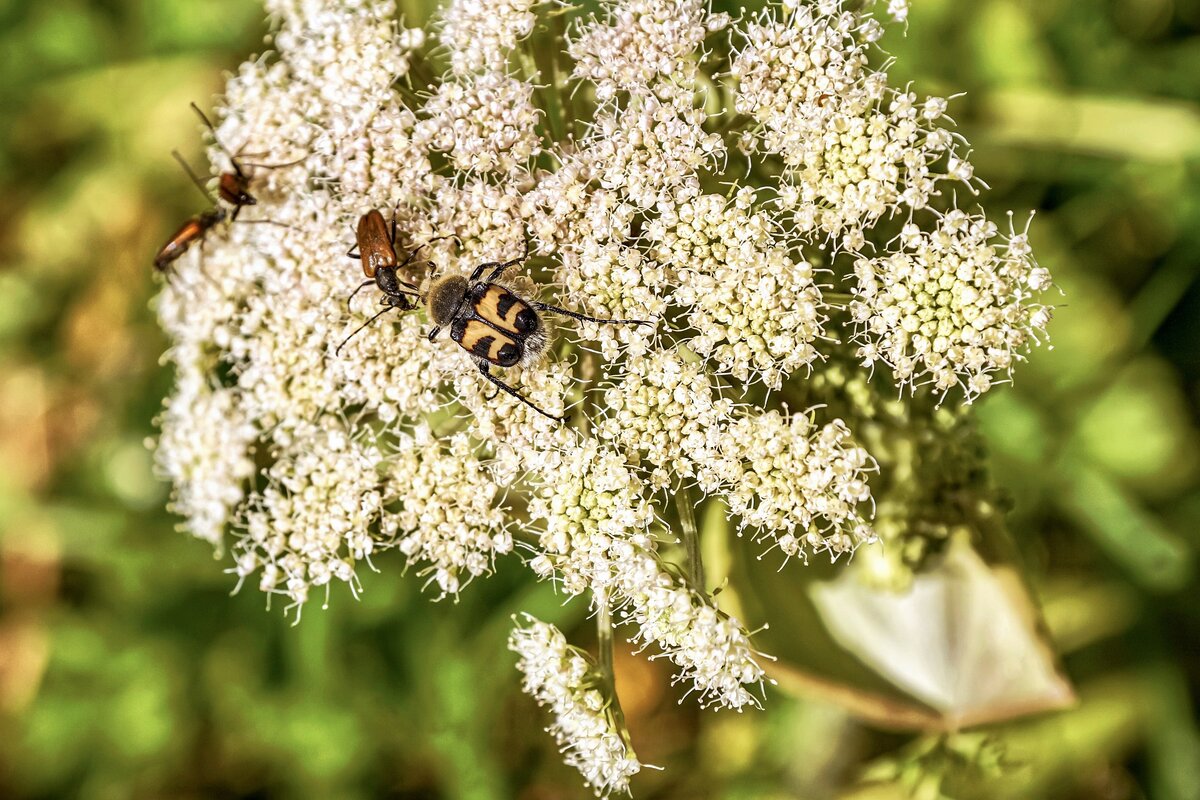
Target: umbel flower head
[(621, 150)]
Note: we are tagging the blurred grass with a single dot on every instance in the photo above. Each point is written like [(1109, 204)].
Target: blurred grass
[(126, 669)]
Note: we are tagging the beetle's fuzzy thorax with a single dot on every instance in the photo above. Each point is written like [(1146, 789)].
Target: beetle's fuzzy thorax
[(446, 295)]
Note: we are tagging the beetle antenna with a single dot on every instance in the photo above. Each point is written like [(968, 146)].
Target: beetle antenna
[(213, 130), (195, 178), (357, 330)]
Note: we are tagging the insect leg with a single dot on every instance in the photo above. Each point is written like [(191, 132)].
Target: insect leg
[(585, 318), (212, 129), (499, 384), (498, 267), (417, 249), (361, 286)]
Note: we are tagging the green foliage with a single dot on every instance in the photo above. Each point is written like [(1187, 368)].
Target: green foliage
[(127, 669)]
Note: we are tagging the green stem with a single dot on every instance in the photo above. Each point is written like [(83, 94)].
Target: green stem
[(416, 66), (604, 638), (691, 539), (547, 100), (560, 78), (604, 635)]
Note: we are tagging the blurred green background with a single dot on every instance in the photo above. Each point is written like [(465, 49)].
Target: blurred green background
[(128, 670)]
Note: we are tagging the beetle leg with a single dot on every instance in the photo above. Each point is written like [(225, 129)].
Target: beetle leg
[(585, 318), (499, 384), (417, 249), (498, 267), (361, 286)]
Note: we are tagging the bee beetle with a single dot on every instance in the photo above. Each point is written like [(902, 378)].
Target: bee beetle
[(495, 325), (376, 247), (233, 188)]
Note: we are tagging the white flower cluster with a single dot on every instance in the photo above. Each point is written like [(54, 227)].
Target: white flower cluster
[(485, 125), (856, 148), (480, 33), (590, 500), (594, 536), (712, 649), (757, 311), (801, 485), (649, 151), (953, 306), (786, 478), (665, 412), (204, 451), (568, 681), (308, 436), (308, 526), (450, 511), (636, 41)]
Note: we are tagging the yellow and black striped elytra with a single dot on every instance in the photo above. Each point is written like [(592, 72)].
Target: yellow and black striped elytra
[(376, 245), (484, 341), (493, 324)]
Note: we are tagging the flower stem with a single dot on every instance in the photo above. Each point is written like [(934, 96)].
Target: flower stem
[(560, 77), (691, 538), (547, 100), (604, 636), (604, 639)]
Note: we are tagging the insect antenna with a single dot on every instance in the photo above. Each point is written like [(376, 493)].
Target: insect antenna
[(292, 163), (357, 330), (212, 129), (195, 178)]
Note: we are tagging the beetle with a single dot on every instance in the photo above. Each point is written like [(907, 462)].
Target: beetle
[(194, 229), (233, 188), (377, 249), (493, 324)]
